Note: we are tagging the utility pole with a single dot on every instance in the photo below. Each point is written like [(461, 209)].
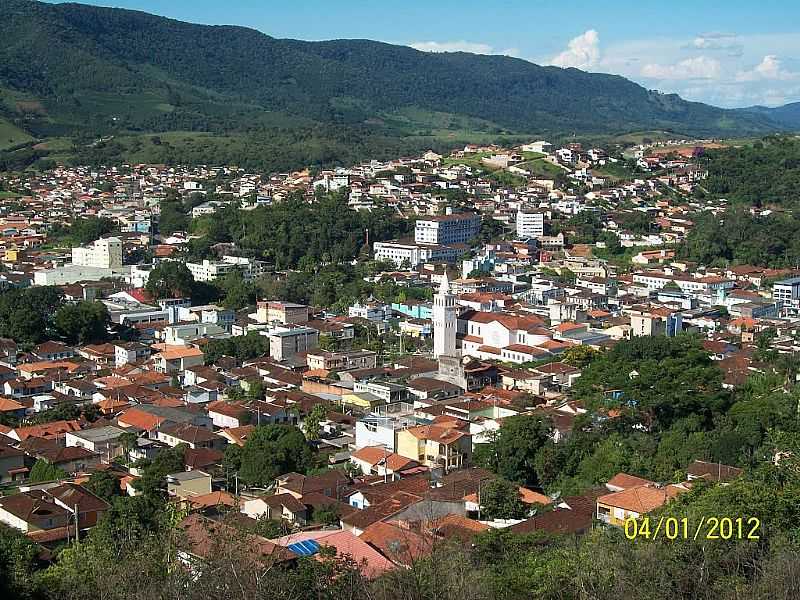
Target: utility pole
[(385, 464)]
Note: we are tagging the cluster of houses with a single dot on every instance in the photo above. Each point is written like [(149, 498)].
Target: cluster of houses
[(399, 431)]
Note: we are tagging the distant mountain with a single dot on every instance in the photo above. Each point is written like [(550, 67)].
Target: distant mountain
[(71, 68), (786, 116)]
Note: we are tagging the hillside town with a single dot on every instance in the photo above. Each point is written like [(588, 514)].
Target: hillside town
[(365, 426)]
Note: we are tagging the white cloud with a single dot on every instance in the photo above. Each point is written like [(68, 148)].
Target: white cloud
[(728, 42), (582, 52), (769, 69), (463, 46), (699, 67)]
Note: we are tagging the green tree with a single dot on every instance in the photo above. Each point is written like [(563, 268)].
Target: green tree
[(44, 471), (17, 564), (231, 464), (579, 356), (658, 379), (83, 322), (500, 499), (86, 230), (103, 485), (326, 515), (511, 453), (170, 279), (242, 347), (152, 482), (273, 450), (172, 217), (26, 315), (128, 441), (236, 292), (312, 425)]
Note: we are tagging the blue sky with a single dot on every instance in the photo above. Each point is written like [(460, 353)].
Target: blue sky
[(728, 52)]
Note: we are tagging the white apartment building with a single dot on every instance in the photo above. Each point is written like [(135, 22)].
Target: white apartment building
[(530, 223), (787, 291), (699, 286), (541, 147), (210, 270), (105, 253), (369, 311), (185, 333), (69, 274), (456, 228), (414, 254), (130, 352)]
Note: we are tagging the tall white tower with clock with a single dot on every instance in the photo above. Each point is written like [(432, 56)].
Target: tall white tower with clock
[(445, 316)]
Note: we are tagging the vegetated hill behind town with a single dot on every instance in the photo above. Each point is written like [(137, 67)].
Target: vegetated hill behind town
[(68, 68), (787, 116)]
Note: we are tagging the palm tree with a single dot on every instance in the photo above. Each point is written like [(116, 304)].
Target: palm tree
[(128, 442)]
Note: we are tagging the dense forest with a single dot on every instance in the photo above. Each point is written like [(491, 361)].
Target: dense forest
[(35, 314), (71, 67), (739, 237), (658, 430), (263, 149), (762, 174), (317, 252), (291, 233)]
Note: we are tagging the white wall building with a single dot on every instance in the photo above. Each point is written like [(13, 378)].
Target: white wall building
[(530, 223), (414, 254), (457, 228), (210, 270), (105, 253)]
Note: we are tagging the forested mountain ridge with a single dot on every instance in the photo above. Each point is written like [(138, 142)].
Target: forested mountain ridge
[(71, 68), (787, 115)]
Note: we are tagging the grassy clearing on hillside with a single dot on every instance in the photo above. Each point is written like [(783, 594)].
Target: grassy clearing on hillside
[(541, 168), (471, 160), (11, 135), (615, 172)]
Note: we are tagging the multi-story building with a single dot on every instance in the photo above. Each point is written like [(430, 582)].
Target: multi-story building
[(342, 361), (530, 223), (176, 359), (103, 440), (210, 270), (655, 321), (380, 426), (285, 342), (703, 286), (457, 228), (181, 334), (130, 352), (386, 391), (415, 254), (446, 446), (105, 253), (281, 312), (787, 292), (371, 311)]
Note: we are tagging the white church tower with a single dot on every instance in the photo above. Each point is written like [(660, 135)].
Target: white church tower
[(445, 315)]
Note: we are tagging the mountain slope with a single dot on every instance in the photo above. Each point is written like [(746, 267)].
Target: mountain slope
[(786, 116), (68, 68)]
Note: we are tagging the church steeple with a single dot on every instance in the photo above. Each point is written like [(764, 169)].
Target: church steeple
[(444, 286), (444, 320)]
